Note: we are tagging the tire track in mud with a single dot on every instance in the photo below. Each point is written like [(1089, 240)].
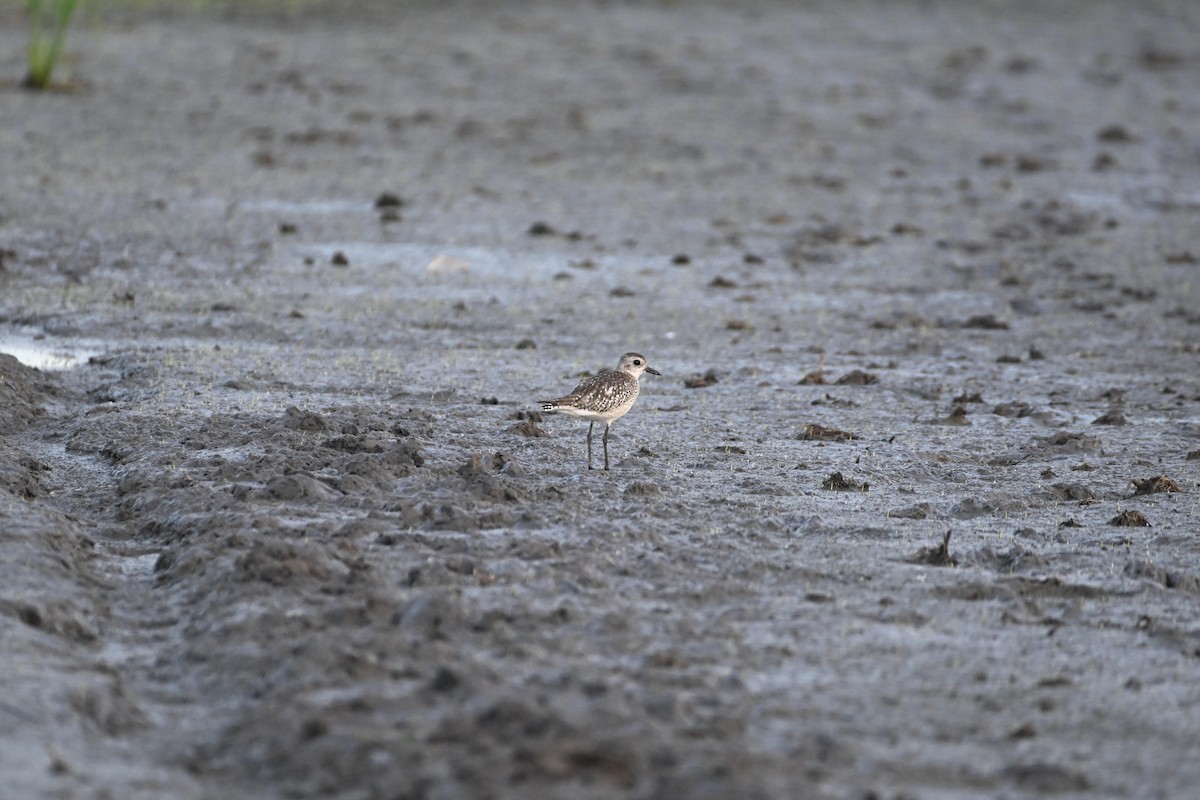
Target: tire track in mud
[(92, 716)]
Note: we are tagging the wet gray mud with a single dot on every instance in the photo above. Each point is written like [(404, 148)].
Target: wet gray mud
[(911, 512)]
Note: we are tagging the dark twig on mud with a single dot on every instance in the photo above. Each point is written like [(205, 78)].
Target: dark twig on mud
[(938, 556)]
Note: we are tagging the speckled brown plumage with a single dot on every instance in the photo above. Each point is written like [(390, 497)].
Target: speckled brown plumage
[(605, 397)]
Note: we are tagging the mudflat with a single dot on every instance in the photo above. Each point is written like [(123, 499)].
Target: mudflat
[(911, 512)]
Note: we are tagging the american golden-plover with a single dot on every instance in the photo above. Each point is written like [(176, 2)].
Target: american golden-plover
[(605, 397)]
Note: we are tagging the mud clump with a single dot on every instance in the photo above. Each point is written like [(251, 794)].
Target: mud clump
[(1045, 778), (388, 200), (857, 377), (700, 381), (1112, 417), (529, 428), (23, 390), (642, 489), (984, 322), (1155, 485), (1016, 410), (1170, 578), (298, 486), (957, 416), (815, 432), (837, 482), (297, 420), (1076, 492), (1130, 518), (1015, 559), (479, 475), (937, 555), (916, 511), (22, 475)]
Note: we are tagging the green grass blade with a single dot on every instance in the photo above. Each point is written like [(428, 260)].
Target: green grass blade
[(44, 52)]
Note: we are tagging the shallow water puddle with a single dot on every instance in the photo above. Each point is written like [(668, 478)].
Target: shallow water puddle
[(41, 352), (277, 206), (440, 260)]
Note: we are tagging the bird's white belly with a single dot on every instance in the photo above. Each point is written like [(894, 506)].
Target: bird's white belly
[(595, 416)]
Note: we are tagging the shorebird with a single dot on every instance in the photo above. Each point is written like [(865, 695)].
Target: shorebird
[(605, 397)]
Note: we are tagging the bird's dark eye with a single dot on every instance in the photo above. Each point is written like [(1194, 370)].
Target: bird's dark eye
[(637, 362)]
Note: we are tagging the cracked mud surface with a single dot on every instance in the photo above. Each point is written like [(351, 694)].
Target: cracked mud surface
[(911, 511)]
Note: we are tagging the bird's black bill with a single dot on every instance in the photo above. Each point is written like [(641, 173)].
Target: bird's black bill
[(653, 371)]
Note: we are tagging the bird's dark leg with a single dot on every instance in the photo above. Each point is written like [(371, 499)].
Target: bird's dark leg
[(590, 426), (606, 427)]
